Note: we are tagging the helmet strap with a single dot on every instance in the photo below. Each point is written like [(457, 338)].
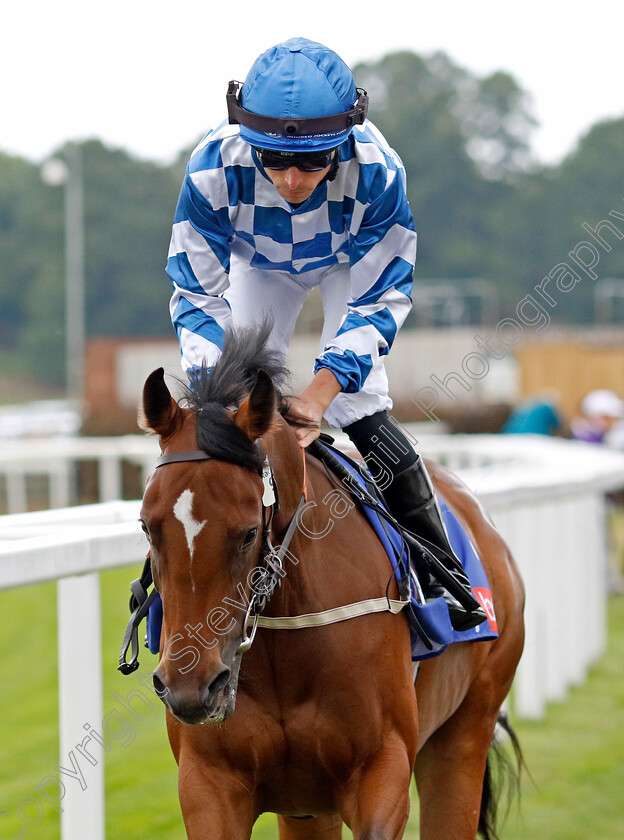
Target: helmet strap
[(333, 169)]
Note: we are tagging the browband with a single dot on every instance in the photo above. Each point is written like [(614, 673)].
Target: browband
[(178, 457), (191, 455)]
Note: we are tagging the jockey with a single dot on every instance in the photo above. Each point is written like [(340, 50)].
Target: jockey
[(297, 189)]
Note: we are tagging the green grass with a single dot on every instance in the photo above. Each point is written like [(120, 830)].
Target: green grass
[(575, 755)]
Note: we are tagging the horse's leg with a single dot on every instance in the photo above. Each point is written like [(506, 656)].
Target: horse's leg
[(449, 775), (214, 804), (376, 800), (316, 828)]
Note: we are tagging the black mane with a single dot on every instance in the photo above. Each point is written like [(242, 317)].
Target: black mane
[(226, 385)]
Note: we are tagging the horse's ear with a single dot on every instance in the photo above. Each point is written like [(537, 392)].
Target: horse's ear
[(256, 414), (159, 412)]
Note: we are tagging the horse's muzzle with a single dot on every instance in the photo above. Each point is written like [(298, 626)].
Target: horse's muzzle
[(193, 703)]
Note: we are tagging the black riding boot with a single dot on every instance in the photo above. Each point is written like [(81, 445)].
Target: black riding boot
[(412, 502)]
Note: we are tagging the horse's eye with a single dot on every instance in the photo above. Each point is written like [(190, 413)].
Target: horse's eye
[(250, 536), (145, 530)]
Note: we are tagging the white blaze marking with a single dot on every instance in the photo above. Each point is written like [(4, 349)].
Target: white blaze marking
[(183, 511)]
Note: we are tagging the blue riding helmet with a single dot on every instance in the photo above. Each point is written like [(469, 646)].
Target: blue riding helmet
[(299, 96)]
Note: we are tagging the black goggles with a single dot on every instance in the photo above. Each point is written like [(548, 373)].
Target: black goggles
[(304, 162)]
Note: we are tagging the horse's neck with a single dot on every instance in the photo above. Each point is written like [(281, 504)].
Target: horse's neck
[(287, 464), (334, 557)]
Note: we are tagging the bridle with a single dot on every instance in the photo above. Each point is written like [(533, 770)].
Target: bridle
[(271, 561), (270, 558)]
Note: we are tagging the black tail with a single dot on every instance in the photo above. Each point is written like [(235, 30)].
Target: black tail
[(502, 775)]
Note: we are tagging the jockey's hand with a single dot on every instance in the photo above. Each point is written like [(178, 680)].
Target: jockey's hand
[(305, 417), (311, 405)]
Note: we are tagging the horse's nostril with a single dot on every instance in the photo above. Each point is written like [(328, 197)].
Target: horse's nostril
[(159, 687), (219, 682), (210, 695)]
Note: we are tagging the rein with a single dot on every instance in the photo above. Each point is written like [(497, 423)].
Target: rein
[(272, 560)]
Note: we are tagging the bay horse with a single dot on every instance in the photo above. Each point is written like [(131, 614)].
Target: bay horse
[(322, 725)]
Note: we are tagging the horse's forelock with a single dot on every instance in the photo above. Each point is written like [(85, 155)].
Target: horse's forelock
[(218, 435), (211, 391), (246, 351)]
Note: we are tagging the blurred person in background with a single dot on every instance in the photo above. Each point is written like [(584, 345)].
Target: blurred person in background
[(601, 412), (538, 415)]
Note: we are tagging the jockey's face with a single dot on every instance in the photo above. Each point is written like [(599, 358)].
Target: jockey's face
[(294, 185)]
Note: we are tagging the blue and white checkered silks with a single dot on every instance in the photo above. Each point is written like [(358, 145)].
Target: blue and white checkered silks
[(355, 232)]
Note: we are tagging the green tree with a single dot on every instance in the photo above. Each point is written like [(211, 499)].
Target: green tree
[(129, 207), (28, 240), (584, 188), (482, 208), (496, 119), (434, 113)]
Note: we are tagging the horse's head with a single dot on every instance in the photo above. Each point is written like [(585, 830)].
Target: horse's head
[(204, 522)]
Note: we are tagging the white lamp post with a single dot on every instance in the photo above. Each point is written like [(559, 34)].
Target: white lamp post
[(80, 682), (67, 172)]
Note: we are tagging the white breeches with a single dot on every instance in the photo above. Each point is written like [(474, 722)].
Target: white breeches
[(254, 294)]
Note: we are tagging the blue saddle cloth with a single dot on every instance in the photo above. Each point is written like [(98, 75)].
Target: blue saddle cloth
[(432, 616)]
